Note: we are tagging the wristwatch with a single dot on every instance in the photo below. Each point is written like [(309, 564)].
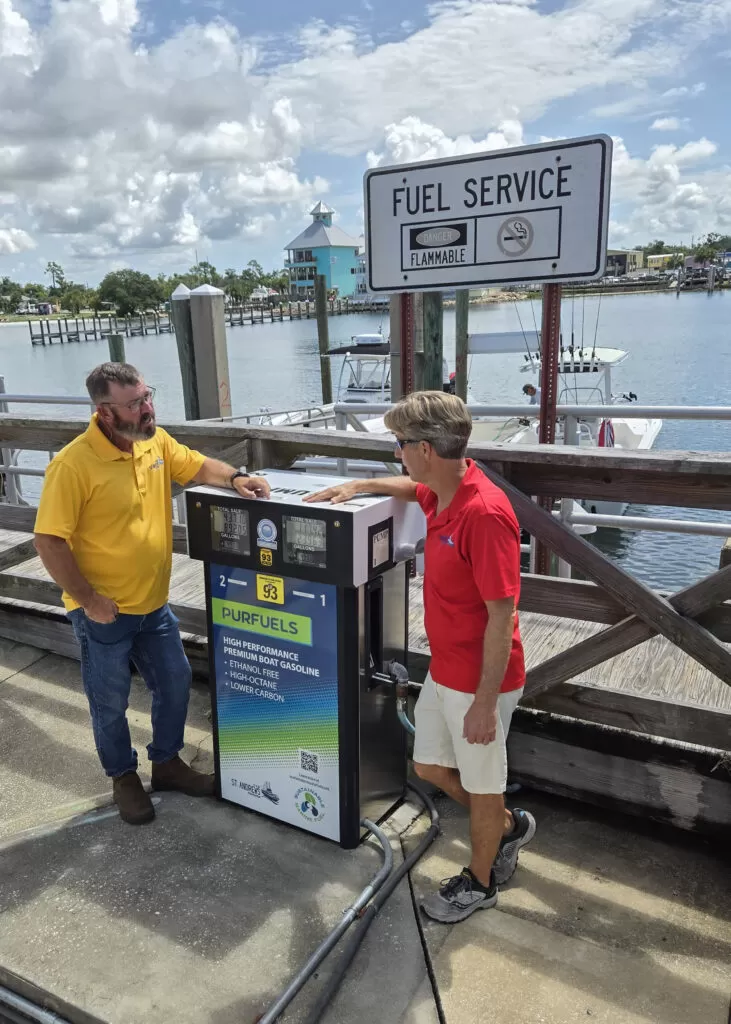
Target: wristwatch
[(237, 474)]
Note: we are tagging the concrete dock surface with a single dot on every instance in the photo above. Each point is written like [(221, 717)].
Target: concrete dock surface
[(206, 914)]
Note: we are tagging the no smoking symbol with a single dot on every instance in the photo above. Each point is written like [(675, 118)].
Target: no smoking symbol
[(515, 236)]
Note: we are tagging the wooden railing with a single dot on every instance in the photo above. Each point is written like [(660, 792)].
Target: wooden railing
[(632, 733)]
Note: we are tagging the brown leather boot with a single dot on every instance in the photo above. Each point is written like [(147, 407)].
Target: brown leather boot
[(177, 775), (134, 804)]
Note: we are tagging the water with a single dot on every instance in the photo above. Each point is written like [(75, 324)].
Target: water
[(679, 348)]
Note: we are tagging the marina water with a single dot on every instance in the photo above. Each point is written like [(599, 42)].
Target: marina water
[(679, 354)]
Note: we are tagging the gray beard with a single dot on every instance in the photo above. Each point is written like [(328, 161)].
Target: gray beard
[(134, 433)]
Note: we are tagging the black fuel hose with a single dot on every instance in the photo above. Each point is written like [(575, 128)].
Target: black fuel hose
[(369, 914)]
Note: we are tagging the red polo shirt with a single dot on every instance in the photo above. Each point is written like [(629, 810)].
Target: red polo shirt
[(472, 555)]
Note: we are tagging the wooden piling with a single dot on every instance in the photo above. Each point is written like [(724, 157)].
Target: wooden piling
[(180, 315), (211, 356), (725, 558), (323, 340), (433, 375), (116, 348), (462, 308)]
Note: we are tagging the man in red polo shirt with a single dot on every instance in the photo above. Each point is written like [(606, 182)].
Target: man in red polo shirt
[(477, 671)]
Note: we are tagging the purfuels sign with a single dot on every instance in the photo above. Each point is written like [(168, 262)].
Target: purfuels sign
[(274, 642), (537, 213)]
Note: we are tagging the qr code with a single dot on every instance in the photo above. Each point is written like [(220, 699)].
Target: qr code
[(309, 762)]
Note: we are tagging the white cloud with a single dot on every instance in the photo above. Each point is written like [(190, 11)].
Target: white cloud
[(644, 101), (412, 140), (685, 90), (686, 156), (16, 38), (666, 124), (669, 193), (117, 145), (481, 62), (14, 240)]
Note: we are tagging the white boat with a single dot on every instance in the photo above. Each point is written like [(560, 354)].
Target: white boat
[(365, 373), (584, 378)]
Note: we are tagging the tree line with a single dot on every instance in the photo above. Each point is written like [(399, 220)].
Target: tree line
[(131, 291), (705, 250)]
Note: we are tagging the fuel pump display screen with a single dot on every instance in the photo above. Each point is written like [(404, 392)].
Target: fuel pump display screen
[(230, 530), (305, 541)]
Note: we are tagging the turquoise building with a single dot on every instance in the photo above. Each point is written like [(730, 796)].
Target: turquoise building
[(322, 248)]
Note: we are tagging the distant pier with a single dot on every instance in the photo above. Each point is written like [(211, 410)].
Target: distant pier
[(48, 331)]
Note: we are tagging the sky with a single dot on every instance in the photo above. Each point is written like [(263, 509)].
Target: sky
[(149, 133)]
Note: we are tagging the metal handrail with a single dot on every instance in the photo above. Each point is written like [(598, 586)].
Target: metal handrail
[(10, 469), (656, 525), (319, 412), (627, 411), (47, 399)]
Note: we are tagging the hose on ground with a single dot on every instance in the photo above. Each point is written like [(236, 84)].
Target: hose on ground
[(331, 940), (368, 916), (25, 1010), (402, 693)]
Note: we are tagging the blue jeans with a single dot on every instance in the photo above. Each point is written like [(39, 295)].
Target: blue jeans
[(152, 644)]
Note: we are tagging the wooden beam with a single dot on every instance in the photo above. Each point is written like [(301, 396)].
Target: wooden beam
[(39, 591), (625, 484), (17, 517), (50, 630), (698, 479), (584, 600), (564, 598), (633, 712), (686, 786), (626, 634), (16, 554), (654, 716), (689, 723), (568, 599), (52, 435), (636, 597), (22, 518)]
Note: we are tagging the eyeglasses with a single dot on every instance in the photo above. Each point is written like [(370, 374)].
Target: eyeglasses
[(136, 404), (409, 440)]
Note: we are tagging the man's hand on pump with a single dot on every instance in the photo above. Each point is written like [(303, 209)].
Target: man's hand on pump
[(335, 495), (251, 486)]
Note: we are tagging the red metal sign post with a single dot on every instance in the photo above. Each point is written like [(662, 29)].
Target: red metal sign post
[(550, 341)]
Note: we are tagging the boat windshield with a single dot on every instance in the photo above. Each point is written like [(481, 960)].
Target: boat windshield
[(570, 394), (367, 375)]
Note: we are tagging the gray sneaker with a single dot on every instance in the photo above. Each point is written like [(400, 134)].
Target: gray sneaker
[(510, 845), (459, 897)]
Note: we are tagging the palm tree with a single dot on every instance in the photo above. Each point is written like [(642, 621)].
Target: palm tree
[(58, 278)]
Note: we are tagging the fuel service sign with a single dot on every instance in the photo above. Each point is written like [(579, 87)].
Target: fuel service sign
[(533, 214)]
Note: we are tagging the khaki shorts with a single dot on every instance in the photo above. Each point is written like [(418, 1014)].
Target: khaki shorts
[(439, 720)]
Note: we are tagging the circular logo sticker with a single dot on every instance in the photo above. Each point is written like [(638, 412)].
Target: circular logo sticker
[(266, 532), (309, 805)]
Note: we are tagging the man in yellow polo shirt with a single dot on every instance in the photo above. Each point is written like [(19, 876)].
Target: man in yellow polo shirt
[(104, 533)]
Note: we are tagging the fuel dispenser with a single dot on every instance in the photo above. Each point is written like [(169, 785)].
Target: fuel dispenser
[(307, 609)]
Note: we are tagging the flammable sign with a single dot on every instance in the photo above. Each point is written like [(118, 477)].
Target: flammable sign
[(438, 245)]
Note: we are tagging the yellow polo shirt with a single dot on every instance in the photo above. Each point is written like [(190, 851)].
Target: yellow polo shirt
[(114, 509)]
